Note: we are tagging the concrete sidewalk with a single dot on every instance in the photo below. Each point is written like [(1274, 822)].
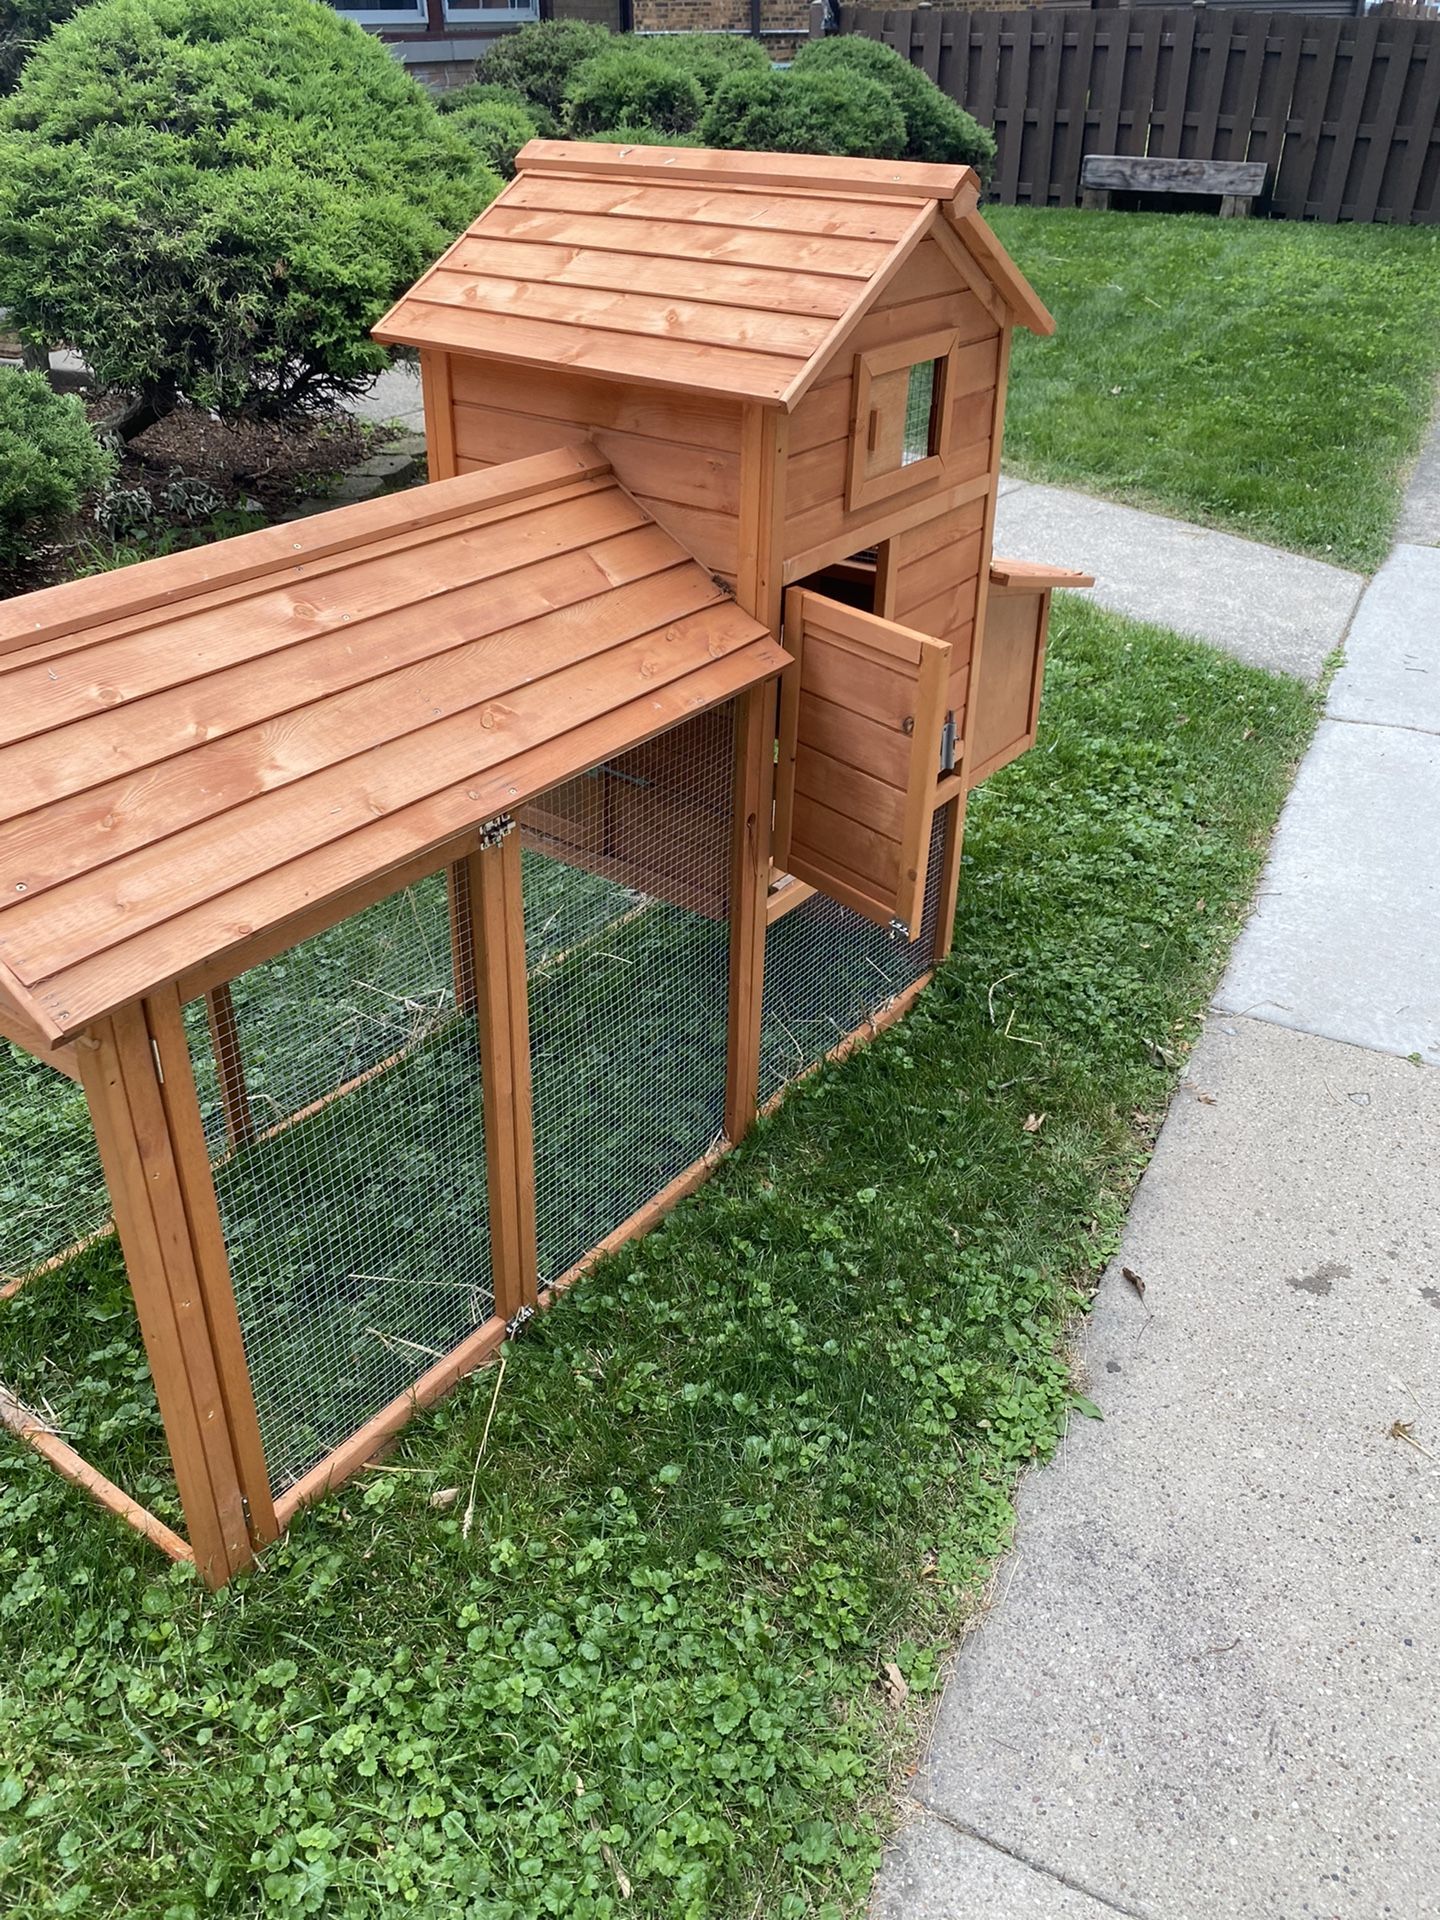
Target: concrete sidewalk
[(1209, 1687)]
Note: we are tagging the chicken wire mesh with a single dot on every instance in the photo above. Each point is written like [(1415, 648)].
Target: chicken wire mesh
[(340, 1088), (70, 1347), (626, 878), (828, 971)]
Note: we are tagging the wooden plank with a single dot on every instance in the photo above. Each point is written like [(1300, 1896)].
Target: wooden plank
[(574, 401), (29, 1427), (1052, 37), (593, 269), (128, 592), (225, 1346), (750, 852), (1212, 54), (668, 469), (631, 312), (1399, 49), (24, 1034), (1294, 189), (842, 258), (130, 1130), (1149, 174), (830, 525), (644, 358), (88, 832), (1355, 56), (439, 422), (837, 543), (502, 1012), (832, 217), (1115, 37), (482, 724), (1074, 104), (200, 945), (1418, 134), (1172, 115), (818, 173), (848, 790), (1027, 575), (1010, 104), (214, 662), (861, 740)]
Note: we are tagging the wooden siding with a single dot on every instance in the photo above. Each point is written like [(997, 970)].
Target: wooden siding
[(929, 294), (678, 454), (933, 585)]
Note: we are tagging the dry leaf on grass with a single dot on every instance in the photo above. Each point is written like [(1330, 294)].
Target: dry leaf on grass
[(897, 1691), (1033, 1122), (1135, 1280), (445, 1497)]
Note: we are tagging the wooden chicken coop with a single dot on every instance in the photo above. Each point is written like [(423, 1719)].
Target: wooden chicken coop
[(424, 894)]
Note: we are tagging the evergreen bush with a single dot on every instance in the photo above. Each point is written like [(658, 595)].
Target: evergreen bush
[(794, 112), (48, 459), (936, 128), (216, 200)]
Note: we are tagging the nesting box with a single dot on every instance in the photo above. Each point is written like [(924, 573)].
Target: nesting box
[(426, 893)]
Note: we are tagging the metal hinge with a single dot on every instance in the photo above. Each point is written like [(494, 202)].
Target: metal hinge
[(949, 740), (495, 830), (249, 1519), (518, 1322)]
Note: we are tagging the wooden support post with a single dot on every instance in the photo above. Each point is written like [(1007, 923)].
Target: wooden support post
[(229, 1066), (497, 922), (749, 902), (759, 588), (123, 1075)]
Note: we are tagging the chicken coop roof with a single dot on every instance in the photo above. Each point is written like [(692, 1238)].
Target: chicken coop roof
[(733, 273), (206, 747)]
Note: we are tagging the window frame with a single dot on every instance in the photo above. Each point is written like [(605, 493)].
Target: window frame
[(864, 488)]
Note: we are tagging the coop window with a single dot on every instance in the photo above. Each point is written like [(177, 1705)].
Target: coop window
[(901, 427)]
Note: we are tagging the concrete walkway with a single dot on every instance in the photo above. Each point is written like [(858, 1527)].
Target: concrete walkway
[(1272, 609), (1209, 1688)]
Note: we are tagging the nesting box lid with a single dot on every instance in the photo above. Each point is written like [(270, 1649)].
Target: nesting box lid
[(730, 273), (204, 748)]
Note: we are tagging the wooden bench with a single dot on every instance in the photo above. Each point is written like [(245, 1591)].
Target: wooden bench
[(1239, 183)]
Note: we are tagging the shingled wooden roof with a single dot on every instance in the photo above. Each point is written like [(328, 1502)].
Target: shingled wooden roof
[(205, 747), (733, 273)]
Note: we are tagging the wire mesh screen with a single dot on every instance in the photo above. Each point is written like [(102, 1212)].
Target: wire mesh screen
[(919, 413), (626, 896), (340, 1087), (52, 1192), (828, 970)]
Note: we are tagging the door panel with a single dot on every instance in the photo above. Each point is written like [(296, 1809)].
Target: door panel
[(862, 712)]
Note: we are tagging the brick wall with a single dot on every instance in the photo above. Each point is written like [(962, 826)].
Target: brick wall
[(777, 17)]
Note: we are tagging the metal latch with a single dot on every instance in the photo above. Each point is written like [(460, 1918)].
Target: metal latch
[(495, 830), (518, 1322), (949, 740)]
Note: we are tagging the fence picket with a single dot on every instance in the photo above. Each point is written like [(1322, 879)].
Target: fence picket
[(1344, 112)]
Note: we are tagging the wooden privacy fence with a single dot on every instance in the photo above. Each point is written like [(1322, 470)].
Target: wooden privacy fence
[(1345, 112)]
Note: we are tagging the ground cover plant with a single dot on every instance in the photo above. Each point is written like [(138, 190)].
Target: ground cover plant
[(1273, 377), (748, 1461), (48, 459)]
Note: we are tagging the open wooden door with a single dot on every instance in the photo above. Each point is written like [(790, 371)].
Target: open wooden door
[(1012, 662), (862, 743)]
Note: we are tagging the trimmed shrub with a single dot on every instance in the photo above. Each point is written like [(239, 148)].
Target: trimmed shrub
[(935, 127), (497, 130), (793, 112), (627, 86), (478, 91), (540, 60), (48, 458), (23, 24), (709, 58), (641, 137), (217, 199)]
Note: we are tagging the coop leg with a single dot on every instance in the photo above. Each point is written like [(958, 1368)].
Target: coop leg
[(749, 891), (497, 945), (147, 1126), (1235, 206)]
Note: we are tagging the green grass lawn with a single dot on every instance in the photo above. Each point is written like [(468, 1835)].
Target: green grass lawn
[(747, 1461), (1268, 376)]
